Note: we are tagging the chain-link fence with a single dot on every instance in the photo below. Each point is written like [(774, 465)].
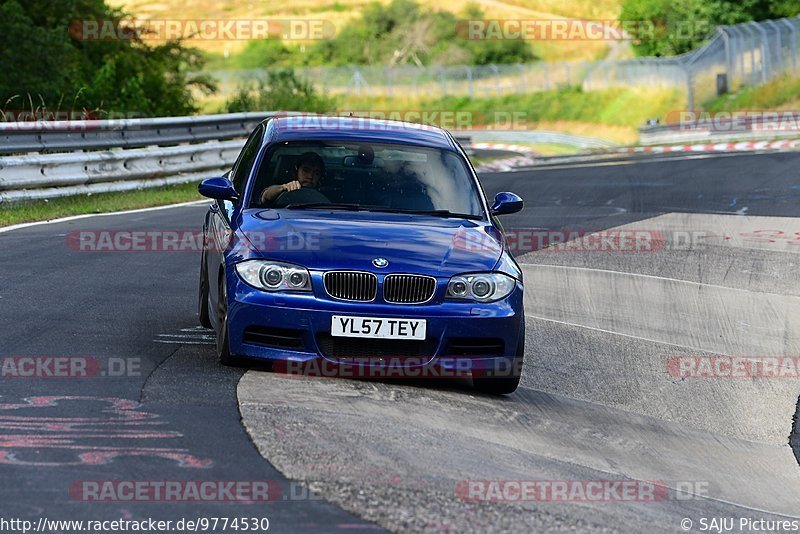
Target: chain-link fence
[(409, 81), (745, 54)]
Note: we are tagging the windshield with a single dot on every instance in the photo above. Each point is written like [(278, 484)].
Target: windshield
[(375, 176)]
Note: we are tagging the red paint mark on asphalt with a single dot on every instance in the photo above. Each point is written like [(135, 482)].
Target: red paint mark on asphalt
[(117, 431)]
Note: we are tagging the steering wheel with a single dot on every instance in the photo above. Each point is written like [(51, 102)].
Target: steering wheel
[(305, 195)]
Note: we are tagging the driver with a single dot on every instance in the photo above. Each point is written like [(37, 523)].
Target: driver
[(309, 170)]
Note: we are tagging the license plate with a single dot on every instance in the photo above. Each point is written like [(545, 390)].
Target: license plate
[(378, 327)]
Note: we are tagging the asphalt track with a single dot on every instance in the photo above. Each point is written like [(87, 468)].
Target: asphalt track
[(597, 402)]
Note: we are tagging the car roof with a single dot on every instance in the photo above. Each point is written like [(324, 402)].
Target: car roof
[(310, 127)]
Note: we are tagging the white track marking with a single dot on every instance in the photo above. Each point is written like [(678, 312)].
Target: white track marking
[(88, 215)]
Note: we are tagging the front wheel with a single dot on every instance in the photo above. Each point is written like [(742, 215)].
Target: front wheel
[(223, 347), (202, 294), (493, 384)]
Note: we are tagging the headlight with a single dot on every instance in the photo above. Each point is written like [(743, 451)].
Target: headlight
[(274, 275), (481, 287)]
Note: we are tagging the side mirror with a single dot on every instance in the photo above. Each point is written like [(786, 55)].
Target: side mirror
[(218, 188), (505, 203)]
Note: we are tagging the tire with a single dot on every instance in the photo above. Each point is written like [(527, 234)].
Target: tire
[(503, 385), (202, 294), (223, 346)]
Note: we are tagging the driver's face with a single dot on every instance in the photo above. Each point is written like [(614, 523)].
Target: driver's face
[(309, 175)]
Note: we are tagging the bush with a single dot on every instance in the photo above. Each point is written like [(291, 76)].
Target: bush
[(280, 90), (402, 32)]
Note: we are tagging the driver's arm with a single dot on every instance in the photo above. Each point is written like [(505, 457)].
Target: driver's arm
[(274, 191)]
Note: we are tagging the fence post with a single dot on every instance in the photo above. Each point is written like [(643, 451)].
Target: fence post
[(496, 72), (586, 67), (752, 53), (739, 42), (728, 64), (779, 45), (764, 54), (389, 73), (546, 77), (793, 31)]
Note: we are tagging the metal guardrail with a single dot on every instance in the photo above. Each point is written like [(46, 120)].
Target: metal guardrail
[(741, 128), (51, 159), (62, 136), (53, 175)]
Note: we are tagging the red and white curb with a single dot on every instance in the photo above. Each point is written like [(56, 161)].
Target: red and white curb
[(526, 157), (529, 157), (717, 147)]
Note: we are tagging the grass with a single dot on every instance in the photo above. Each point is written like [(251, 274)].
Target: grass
[(612, 114), (782, 94), (552, 149), (43, 210)]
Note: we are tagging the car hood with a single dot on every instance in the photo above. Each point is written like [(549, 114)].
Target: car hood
[(321, 240)]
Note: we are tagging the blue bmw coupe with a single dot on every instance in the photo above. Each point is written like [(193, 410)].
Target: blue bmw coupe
[(361, 243)]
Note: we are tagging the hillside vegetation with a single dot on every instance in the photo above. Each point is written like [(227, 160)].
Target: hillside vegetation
[(344, 13)]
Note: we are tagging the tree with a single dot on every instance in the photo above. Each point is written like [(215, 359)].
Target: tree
[(679, 27), (54, 68)]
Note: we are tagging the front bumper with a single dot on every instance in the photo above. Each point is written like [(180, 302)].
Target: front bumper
[(295, 327)]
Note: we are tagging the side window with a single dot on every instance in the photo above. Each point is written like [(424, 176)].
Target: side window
[(246, 159)]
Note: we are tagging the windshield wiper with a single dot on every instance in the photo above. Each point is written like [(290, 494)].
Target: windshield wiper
[(325, 205), (358, 207), (435, 213)]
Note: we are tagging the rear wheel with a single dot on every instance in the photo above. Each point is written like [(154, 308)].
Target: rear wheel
[(202, 294), (503, 382), (223, 347)]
